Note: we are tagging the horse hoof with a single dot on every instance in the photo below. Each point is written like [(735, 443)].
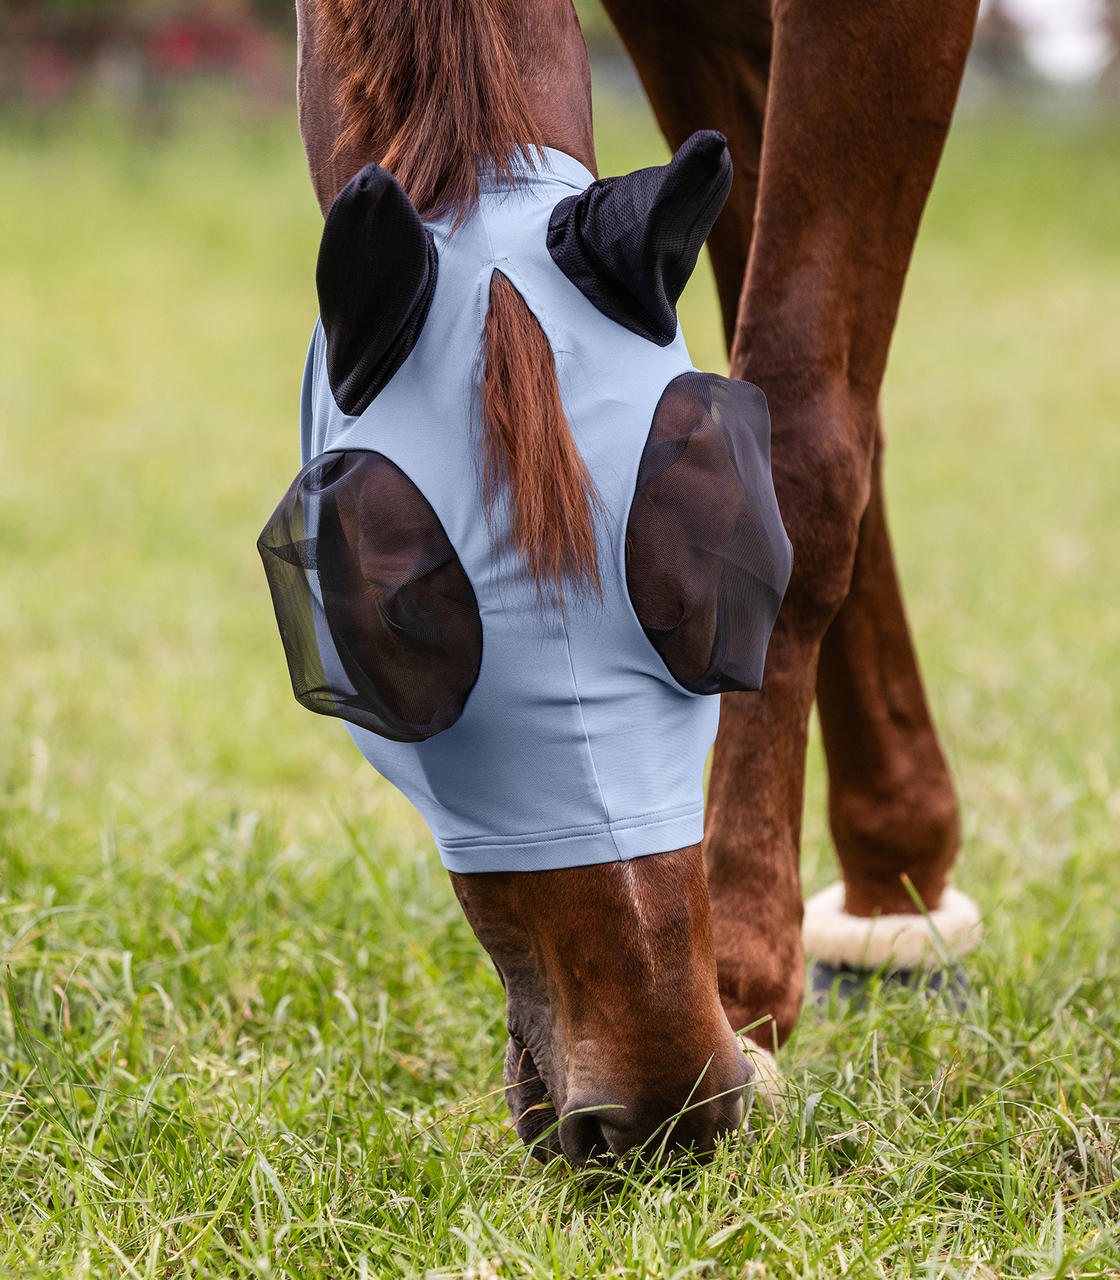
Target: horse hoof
[(919, 952)]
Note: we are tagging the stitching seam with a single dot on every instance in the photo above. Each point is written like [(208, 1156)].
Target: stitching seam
[(587, 741), (455, 844)]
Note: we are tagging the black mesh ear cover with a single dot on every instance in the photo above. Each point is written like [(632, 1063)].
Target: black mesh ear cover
[(707, 557), (378, 618), (376, 276), (629, 244)]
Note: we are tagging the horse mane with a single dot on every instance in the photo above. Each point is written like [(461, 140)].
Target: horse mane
[(433, 87)]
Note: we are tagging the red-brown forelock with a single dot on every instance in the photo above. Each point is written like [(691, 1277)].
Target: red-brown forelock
[(528, 451), (432, 88)]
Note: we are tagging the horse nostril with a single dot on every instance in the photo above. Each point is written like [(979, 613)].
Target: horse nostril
[(581, 1135), (590, 1130), (620, 1138)]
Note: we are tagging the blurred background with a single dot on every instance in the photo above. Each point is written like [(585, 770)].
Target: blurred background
[(193, 869), (142, 52)]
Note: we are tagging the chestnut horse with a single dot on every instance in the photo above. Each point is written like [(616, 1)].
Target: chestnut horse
[(624, 981)]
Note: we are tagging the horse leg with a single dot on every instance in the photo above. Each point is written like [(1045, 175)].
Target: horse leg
[(858, 103), (617, 1032), (892, 805)]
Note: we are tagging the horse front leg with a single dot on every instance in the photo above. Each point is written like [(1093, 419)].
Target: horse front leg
[(706, 66), (892, 805), (859, 101)]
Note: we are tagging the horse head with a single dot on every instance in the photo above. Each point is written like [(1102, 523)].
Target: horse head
[(516, 602)]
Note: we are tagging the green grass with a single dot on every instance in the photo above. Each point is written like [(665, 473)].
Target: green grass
[(246, 1031)]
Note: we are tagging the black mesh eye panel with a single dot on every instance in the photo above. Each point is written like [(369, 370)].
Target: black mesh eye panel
[(378, 618), (707, 557)]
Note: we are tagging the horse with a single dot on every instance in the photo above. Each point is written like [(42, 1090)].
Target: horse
[(625, 981)]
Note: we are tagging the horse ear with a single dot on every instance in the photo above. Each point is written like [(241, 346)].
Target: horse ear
[(629, 244), (376, 276)]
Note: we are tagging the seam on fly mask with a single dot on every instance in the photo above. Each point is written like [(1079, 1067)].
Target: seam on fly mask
[(587, 739), (557, 835), (563, 616), (615, 523), (496, 264)]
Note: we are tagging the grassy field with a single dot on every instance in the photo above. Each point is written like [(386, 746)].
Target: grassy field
[(245, 1030)]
